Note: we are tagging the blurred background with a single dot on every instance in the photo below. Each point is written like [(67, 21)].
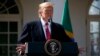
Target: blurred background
[(84, 16)]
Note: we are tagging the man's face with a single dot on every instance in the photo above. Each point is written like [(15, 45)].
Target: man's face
[(47, 12)]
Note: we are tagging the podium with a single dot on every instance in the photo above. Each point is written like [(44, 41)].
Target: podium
[(37, 49)]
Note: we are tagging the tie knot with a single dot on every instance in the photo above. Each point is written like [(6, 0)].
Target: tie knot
[(46, 24)]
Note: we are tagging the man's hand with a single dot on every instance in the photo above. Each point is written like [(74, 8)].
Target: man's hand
[(21, 49), (81, 50)]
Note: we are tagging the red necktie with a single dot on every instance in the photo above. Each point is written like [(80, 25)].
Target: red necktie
[(48, 35)]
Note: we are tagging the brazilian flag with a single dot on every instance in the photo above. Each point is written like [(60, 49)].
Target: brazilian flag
[(66, 21)]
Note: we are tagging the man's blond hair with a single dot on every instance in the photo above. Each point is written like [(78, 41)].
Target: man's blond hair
[(43, 5)]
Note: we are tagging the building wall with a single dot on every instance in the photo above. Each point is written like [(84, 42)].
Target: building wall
[(78, 12), (30, 10)]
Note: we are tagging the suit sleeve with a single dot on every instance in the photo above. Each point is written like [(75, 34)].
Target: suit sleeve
[(25, 35)]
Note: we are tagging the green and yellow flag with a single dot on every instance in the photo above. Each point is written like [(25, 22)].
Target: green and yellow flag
[(66, 21)]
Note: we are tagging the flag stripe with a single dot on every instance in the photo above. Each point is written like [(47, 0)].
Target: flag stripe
[(70, 34), (66, 22)]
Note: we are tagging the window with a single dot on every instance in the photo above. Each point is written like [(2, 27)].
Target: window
[(93, 38), (8, 7), (8, 37), (9, 27), (94, 35), (95, 8)]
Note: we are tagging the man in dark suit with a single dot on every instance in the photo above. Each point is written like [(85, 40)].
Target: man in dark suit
[(42, 30)]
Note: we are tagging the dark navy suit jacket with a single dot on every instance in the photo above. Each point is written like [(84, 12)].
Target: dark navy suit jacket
[(33, 31)]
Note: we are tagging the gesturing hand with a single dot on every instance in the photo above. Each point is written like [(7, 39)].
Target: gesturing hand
[(21, 49)]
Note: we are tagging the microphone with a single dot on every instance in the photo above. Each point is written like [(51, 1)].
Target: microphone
[(50, 19)]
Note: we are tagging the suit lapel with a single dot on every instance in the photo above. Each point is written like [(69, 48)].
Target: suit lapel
[(53, 30), (42, 35)]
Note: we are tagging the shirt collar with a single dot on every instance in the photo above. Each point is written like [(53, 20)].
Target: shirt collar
[(43, 22)]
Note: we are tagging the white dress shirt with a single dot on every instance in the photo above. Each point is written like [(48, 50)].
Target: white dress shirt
[(44, 26)]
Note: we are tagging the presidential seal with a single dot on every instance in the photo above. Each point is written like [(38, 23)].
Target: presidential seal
[(52, 47)]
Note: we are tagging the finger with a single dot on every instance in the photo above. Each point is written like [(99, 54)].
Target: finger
[(18, 50), (21, 47)]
